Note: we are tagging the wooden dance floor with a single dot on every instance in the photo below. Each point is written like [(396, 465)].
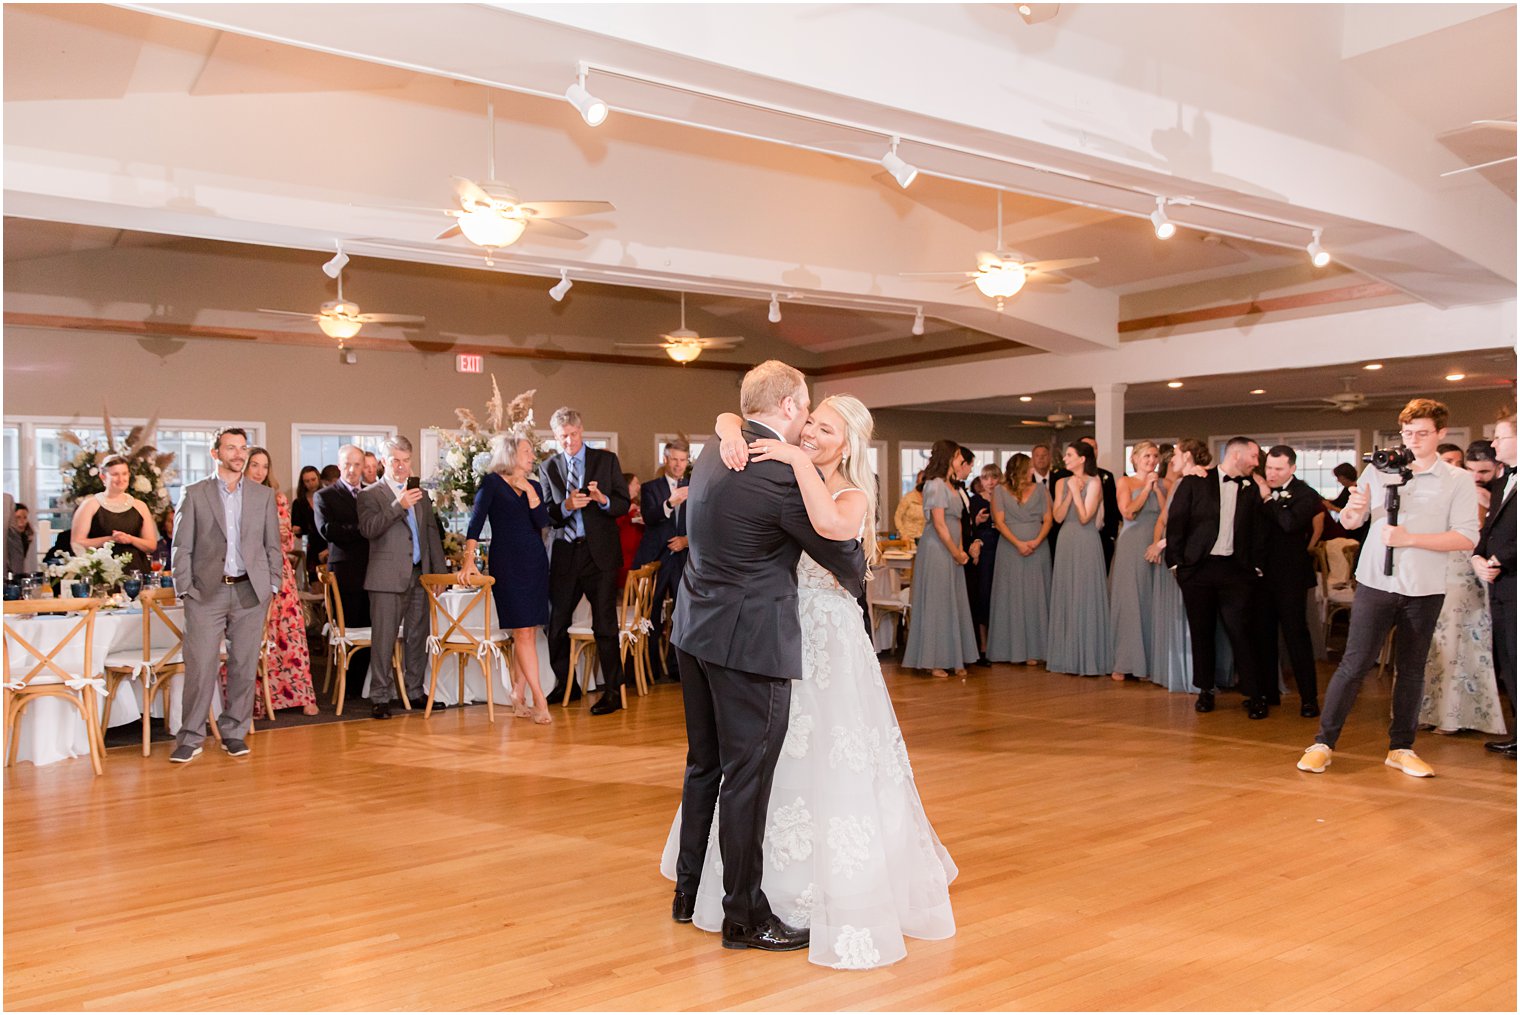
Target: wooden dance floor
[(1116, 851)]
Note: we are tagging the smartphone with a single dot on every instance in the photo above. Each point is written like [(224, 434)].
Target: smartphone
[(413, 483)]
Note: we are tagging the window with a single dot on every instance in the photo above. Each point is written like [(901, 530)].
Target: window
[(35, 453), (1319, 452), (911, 457), (317, 444), (604, 440)]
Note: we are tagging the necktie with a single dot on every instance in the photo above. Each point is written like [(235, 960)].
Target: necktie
[(411, 523), (573, 470)]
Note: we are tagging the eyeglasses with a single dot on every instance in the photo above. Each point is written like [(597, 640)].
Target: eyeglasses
[(1416, 435)]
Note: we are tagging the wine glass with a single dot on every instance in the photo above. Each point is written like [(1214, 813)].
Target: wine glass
[(157, 563), (132, 586)]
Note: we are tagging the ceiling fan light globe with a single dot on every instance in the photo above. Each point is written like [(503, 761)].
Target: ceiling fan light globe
[(1002, 282), (334, 326), (485, 228), (683, 352)]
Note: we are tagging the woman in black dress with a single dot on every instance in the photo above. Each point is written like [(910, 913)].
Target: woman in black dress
[(513, 504), (115, 516), (303, 517)]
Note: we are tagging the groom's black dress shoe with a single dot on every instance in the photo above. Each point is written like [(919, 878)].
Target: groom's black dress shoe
[(683, 907), (1505, 747), (610, 702), (770, 936), (1205, 702)]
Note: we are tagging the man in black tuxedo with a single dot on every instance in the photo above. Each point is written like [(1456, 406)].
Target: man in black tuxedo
[(1288, 507), (585, 492), (663, 505), (336, 509), (1109, 533), (1213, 543), (1494, 562), (1043, 476), (739, 644)]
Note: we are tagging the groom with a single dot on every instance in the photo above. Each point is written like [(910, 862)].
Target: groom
[(739, 646)]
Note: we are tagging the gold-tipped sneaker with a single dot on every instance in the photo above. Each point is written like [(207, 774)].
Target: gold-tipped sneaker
[(1409, 763), (1315, 759)]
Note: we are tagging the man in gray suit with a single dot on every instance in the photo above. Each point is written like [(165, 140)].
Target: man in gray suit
[(227, 565), (396, 516)]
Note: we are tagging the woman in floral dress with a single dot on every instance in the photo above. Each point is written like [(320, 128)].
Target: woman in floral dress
[(289, 672)]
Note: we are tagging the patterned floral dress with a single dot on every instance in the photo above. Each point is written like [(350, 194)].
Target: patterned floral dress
[(289, 656), (849, 852), (1461, 689)]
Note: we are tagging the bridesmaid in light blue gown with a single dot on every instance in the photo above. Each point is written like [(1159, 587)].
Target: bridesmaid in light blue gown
[(1020, 603), (1131, 578), (941, 634), (1079, 638)]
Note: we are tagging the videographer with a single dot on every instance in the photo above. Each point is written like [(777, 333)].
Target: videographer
[(1437, 514)]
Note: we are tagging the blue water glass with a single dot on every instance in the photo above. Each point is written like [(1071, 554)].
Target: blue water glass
[(132, 586), (166, 580), (12, 590), (81, 590)]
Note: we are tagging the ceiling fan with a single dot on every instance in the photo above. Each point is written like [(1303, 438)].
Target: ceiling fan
[(1341, 401), (492, 215), (1058, 420), (684, 345), (1002, 274), (339, 318)]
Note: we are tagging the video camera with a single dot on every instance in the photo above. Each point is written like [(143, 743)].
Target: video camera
[(1392, 462)]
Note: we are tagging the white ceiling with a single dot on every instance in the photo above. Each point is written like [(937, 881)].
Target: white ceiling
[(741, 150)]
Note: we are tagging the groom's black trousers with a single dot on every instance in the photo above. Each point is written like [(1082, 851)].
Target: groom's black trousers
[(735, 725)]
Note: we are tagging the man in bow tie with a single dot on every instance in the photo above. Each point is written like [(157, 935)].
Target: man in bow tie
[(1289, 507), (1214, 545), (1493, 561), (396, 516)]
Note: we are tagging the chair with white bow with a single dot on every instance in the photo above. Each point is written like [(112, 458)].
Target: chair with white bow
[(47, 678), (344, 641), (456, 631)]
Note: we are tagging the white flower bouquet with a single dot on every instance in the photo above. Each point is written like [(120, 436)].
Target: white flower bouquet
[(102, 566)]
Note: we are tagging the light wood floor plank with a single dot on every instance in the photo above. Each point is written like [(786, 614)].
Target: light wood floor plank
[(1116, 851)]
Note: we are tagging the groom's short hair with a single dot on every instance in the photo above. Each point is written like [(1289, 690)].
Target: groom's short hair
[(767, 384)]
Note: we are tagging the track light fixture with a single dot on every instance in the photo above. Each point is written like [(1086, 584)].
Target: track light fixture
[(1165, 227), (775, 311), (562, 286), (903, 173), (335, 266), (592, 109), (918, 322), (1318, 255)]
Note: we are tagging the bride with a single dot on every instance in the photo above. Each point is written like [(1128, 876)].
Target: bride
[(849, 852)]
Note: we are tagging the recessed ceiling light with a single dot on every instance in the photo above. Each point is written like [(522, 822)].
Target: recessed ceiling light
[(1174, 384), (1372, 366), (1455, 377), (1258, 391), (1026, 398)]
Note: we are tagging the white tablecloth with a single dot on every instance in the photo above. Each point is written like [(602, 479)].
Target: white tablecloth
[(884, 635), (51, 730), (474, 673)]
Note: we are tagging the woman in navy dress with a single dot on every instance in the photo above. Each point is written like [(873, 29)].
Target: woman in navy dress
[(514, 506)]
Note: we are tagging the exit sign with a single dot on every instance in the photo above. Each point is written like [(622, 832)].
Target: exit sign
[(470, 363)]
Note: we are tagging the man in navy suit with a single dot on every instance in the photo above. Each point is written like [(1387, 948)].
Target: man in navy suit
[(663, 503)]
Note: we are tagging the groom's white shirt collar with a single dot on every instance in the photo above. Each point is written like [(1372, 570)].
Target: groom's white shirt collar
[(754, 424)]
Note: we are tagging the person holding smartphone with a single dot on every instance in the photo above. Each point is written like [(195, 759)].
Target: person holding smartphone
[(396, 516), (1438, 516)]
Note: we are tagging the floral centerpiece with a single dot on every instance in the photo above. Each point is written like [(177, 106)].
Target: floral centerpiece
[(151, 471), (465, 454), (102, 567)]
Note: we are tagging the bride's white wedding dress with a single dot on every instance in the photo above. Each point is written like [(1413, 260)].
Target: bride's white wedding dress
[(848, 849)]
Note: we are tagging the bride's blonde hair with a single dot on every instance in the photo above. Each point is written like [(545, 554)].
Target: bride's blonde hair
[(855, 465)]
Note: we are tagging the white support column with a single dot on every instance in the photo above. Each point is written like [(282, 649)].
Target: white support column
[(1108, 421)]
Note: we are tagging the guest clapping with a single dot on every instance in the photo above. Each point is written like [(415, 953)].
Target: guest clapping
[(1019, 605), (1131, 589), (513, 504), (942, 636), (115, 516), (1078, 602)]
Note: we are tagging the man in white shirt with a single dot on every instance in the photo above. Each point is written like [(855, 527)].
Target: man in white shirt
[(662, 504), (1438, 516)]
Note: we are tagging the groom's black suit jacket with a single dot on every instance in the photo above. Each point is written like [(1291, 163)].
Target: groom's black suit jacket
[(1192, 525), (747, 529)]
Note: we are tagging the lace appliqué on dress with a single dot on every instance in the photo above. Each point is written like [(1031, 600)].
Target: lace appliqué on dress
[(802, 908), (856, 747), (850, 844), (799, 730), (855, 948), (790, 835)]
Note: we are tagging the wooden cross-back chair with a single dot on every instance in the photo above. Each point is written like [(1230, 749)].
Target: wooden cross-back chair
[(634, 632), (344, 641), (46, 678), (153, 667), (458, 633), (583, 639)]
